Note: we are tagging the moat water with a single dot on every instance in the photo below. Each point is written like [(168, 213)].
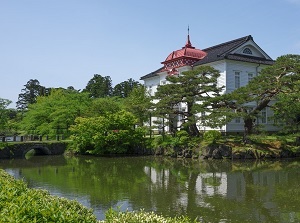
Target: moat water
[(209, 190)]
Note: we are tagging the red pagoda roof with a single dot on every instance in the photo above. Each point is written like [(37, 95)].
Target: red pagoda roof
[(188, 51)]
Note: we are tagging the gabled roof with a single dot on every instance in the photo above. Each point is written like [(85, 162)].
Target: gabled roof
[(223, 51), (226, 51), (152, 74)]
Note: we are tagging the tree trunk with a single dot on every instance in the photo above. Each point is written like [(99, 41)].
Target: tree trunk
[(248, 127), (193, 130), (192, 127)]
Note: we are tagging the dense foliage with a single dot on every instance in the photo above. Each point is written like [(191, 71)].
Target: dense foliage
[(99, 87), (29, 94), (54, 114), (18, 203), (287, 112), (139, 103), (212, 136), (124, 88), (107, 134), (4, 115)]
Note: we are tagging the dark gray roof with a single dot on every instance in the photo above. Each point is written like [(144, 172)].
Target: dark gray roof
[(249, 59), (152, 74), (221, 52)]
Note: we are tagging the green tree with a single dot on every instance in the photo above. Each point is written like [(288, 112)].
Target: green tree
[(55, 113), (109, 134), (4, 115), (124, 88), (139, 103), (103, 106), (99, 87), (29, 94), (287, 110), (193, 89), (282, 78)]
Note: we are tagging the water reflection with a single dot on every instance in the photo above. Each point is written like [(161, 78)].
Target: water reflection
[(212, 191)]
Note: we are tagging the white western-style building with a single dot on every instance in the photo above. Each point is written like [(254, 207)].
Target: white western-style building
[(238, 61)]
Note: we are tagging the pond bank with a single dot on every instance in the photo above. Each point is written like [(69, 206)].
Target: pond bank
[(224, 151)]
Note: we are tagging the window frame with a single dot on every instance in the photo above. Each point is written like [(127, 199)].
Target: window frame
[(264, 116), (250, 78), (247, 51), (237, 79)]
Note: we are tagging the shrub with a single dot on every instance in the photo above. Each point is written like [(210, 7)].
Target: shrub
[(183, 138), (162, 144), (18, 203), (212, 136), (110, 134)]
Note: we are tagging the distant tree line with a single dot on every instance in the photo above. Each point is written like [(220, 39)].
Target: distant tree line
[(97, 87)]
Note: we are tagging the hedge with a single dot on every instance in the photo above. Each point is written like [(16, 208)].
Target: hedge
[(18, 203)]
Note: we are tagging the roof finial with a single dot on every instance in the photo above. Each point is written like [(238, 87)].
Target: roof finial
[(188, 42)]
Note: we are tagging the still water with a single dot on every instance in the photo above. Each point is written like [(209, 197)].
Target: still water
[(211, 191)]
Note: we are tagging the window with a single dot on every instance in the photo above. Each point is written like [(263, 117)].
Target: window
[(250, 77), (163, 82), (264, 115), (181, 116), (237, 82), (237, 120), (150, 90), (247, 51)]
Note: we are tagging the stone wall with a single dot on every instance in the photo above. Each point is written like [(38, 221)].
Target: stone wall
[(19, 150)]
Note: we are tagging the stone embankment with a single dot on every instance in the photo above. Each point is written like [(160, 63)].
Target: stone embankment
[(224, 151), (19, 150)]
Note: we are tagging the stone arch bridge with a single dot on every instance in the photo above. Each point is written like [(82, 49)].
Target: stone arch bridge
[(19, 150)]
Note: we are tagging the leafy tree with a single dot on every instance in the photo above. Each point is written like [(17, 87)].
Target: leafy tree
[(4, 114), (103, 106), (29, 94), (99, 87), (124, 88), (109, 134), (139, 103), (282, 78), (55, 113), (287, 110), (193, 89)]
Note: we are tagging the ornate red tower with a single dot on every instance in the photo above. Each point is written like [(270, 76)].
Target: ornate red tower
[(187, 55)]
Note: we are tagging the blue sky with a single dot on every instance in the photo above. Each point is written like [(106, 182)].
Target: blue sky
[(64, 43)]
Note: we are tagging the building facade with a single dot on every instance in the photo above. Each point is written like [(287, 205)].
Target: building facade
[(238, 61)]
